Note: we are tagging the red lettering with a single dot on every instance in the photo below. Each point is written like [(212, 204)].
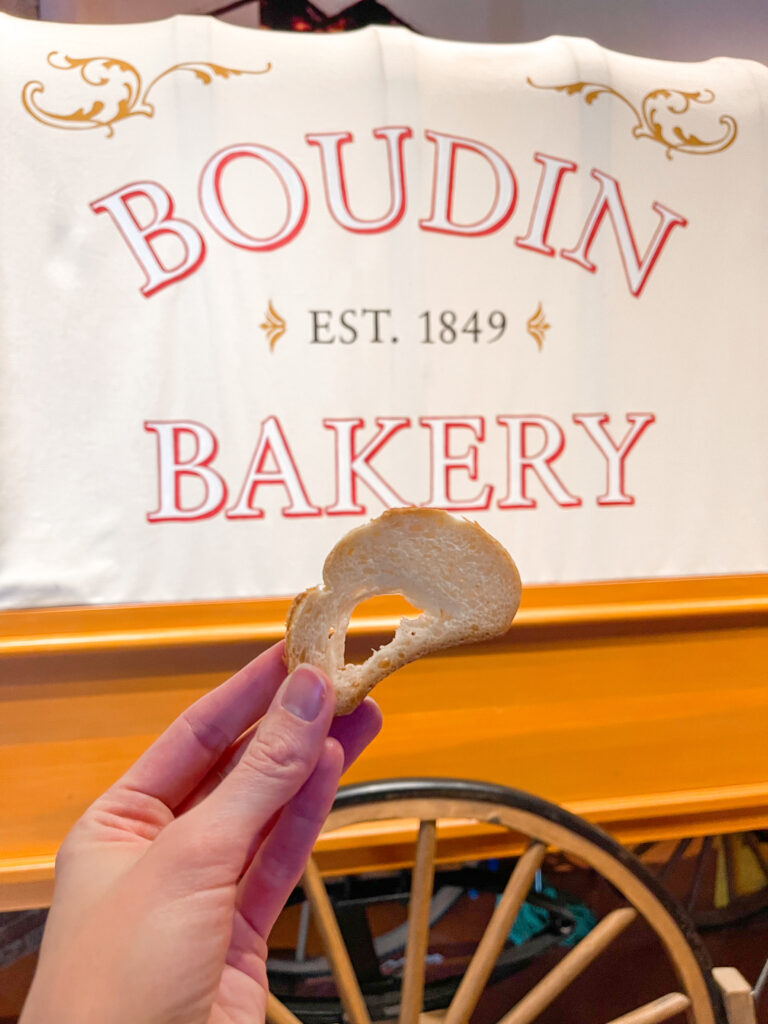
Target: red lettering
[(329, 144), (609, 200), (443, 463), (171, 470), (521, 463), (272, 444), (440, 219), (544, 203), (615, 456), (212, 202), (140, 237), (352, 466)]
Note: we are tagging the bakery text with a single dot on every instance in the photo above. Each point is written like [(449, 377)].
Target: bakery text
[(191, 484), (144, 211)]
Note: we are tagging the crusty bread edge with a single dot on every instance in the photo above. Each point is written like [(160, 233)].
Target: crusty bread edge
[(347, 701)]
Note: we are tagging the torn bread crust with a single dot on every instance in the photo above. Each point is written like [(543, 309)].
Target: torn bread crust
[(465, 581)]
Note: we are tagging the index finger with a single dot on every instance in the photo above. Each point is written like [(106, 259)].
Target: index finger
[(183, 755), (354, 732)]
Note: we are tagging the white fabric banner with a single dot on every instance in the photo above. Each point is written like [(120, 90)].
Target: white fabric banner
[(256, 287)]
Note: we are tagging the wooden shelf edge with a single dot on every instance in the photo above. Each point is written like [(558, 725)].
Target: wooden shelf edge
[(28, 882), (625, 604)]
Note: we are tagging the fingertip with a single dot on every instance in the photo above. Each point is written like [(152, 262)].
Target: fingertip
[(333, 752), (375, 717), (366, 720), (356, 730), (330, 767)]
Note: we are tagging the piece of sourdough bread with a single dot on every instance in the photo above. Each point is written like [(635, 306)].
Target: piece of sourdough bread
[(463, 579)]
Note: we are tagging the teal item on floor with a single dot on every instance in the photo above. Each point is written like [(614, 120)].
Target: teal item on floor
[(532, 920)]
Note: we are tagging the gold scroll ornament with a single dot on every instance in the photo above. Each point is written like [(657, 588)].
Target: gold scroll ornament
[(658, 116), (122, 94), (274, 326), (537, 326)]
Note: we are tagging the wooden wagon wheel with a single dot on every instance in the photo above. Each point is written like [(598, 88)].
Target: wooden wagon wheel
[(720, 879), (640, 903)]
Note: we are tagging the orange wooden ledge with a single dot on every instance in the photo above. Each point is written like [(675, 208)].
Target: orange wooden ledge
[(641, 705)]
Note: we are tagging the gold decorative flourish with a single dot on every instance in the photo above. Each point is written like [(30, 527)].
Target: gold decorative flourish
[(537, 325), (657, 118), (122, 94), (273, 326)]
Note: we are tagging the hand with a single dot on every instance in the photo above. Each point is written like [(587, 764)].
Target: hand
[(168, 886)]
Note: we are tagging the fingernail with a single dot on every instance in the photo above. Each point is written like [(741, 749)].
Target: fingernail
[(304, 694)]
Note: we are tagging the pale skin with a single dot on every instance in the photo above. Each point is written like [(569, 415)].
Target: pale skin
[(168, 887)]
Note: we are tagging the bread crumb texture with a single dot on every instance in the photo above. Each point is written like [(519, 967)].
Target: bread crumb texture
[(463, 579)]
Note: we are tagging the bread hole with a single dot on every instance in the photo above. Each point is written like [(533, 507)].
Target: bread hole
[(358, 648)]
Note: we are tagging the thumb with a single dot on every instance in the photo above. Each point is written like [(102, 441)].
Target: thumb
[(276, 763)]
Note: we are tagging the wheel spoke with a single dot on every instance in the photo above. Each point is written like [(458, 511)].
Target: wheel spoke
[(755, 848), (341, 966), (422, 879), (721, 896), (701, 860), (643, 848), (301, 940), (730, 870), (660, 1009), (674, 860), (489, 947), (277, 1013), (570, 967)]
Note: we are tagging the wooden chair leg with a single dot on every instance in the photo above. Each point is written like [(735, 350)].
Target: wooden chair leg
[(737, 996)]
